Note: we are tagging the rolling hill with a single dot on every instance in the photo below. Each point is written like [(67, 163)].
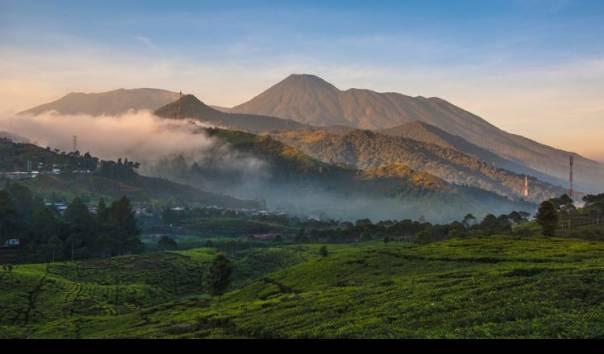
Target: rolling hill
[(107, 103), (477, 287), (311, 100)]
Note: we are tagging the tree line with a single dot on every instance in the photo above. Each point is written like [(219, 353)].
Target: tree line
[(552, 211), (46, 234), (419, 231)]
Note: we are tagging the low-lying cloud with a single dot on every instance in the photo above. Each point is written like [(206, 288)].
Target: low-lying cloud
[(139, 136)]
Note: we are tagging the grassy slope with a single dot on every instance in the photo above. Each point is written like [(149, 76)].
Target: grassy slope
[(427, 194), (478, 287), (34, 296)]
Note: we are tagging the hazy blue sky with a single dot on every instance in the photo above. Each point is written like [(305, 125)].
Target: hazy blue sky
[(533, 67)]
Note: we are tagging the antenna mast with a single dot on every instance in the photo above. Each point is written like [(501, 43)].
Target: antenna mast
[(571, 160), (525, 192)]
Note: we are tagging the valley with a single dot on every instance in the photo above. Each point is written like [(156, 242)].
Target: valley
[(307, 212)]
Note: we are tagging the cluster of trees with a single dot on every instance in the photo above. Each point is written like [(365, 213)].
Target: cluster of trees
[(557, 212), (329, 230), (219, 277), (120, 170), (85, 162), (548, 218), (15, 157), (47, 235), (594, 206), (170, 216), (364, 229)]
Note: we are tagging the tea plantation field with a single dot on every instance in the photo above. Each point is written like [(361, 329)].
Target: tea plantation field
[(480, 287)]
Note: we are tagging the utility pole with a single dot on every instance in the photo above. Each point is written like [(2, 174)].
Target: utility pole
[(571, 160)]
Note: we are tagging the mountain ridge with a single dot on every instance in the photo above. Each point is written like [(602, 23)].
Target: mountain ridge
[(189, 106), (368, 150), (112, 102), (427, 133), (323, 104)]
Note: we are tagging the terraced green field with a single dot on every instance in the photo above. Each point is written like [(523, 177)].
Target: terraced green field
[(487, 287)]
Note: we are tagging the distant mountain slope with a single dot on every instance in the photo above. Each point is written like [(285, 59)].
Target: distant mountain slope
[(430, 134), (312, 100), (107, 103), (290, 180), (191, 107), (365, 150)]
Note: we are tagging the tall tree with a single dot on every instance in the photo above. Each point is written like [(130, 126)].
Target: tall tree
[(103, 228), (547, 217), (469, 220), (102, 213), (124, 229), (323, 251), (166, 243), (489, 224), (8, 216), (44, 223), (82, 231), (24, 205), (219, 278)]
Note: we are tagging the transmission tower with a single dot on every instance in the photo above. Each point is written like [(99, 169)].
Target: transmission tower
[(571, 161), (178, 114)]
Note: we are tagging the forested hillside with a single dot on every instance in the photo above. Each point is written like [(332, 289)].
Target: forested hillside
[(364, 149), (288, 179), (60, 174)]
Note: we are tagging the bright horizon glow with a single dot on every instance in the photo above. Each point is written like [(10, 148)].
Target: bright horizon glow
[(533, 67)]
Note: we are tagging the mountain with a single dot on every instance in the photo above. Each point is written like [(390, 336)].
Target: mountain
[(107, 103), (259, 167), (190, 107), (366, 150), (304, 98), (311, 100)]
